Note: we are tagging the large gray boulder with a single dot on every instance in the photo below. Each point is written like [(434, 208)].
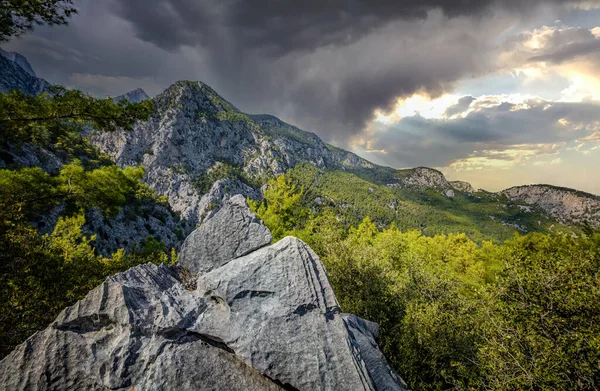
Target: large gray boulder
[(266, 320), (230, 233)]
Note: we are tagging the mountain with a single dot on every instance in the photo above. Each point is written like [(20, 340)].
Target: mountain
[(567, 205), (235, 314), (135, 96), (18, 74), (19, 60), (463, 186), (195, 137), (199, 149)]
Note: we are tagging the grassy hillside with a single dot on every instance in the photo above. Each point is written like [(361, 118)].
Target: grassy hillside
[(354, 196)]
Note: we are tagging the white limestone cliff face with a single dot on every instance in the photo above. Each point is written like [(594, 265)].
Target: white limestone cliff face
[(237, 313), (567, 205)]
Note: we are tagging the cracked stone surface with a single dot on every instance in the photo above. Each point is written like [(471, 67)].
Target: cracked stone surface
[(266, 320), (231, 232)]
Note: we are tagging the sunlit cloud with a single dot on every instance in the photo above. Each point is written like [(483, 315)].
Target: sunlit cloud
[(417, 104), (543, 54)]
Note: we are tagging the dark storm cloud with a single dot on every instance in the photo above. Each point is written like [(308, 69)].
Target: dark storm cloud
[(554, 45), (314, 61), (323, 65), (569, 52), (541, 126), (463, 104), (285, 26)]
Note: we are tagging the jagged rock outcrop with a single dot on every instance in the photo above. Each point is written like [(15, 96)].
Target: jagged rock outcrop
[(463, 186), (19, 60), (449, 193), (567, 205), (219, 239), (421, 178), (266, 320), (299, 146)]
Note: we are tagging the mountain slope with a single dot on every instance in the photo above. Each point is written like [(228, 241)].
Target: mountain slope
[(17, 74), (195, 136), (567, 205), (198, 149)]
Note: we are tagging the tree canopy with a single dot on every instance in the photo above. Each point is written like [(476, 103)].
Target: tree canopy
[(455, 314), (20, 16)]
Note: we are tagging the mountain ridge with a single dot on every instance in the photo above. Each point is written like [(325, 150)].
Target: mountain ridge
[(196, 139)]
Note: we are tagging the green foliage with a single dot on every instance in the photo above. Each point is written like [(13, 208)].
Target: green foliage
[(455, 314), (34, 191), (40, 275), (234, 116), (356, 194), (543, 329), (280, 210), (106, 187), (221, 170), (20, 16), (45, 119), (28, 190)]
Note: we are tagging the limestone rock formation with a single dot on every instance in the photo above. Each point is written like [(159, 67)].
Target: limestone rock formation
[(232, 232), (421, 178), (463, 186), (194, 131), (256, 318), (567, 205)]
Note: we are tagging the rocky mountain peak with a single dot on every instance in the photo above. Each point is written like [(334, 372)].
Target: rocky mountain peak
[(194, 95), (250, 316), (422, 178), (135, 96), (17, 74), (19, 60)]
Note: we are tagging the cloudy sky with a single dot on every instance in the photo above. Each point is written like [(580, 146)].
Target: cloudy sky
[(495, 92)]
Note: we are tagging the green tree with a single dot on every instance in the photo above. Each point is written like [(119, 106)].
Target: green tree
[(543, 330), (280, 210), (20, 16), (44, 119)]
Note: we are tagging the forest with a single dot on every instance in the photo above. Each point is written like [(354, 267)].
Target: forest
[(455, 314)]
